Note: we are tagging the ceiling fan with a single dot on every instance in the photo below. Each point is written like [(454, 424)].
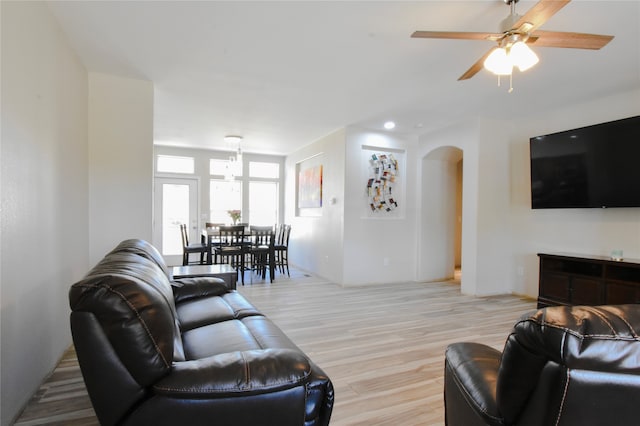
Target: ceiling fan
[(515, 33)]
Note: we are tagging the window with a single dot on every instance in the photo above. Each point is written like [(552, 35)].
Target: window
[(263, 192), (224, 195), (264, 170), (230, 168), (261, 199), (263, 203), (174, 164), (176, 201), (218, 167)]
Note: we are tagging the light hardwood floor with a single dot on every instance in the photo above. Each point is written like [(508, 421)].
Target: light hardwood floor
[(382, 345)]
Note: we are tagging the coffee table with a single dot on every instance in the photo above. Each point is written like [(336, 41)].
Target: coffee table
[(224, 271)]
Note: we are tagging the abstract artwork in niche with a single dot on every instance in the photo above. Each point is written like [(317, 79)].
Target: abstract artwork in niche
[(383, 172), (310, 187)]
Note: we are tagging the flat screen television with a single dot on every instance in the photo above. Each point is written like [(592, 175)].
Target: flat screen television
[(590, 167)]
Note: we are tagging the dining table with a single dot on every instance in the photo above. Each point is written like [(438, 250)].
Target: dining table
[(211, 237)]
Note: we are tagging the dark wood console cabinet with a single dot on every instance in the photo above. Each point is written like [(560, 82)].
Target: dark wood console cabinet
[(567, 279)]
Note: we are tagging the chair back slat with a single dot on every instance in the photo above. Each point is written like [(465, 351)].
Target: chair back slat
[(184, 234), (262, 236), (231, 235)]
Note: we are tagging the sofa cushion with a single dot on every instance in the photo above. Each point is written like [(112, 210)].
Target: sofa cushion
[(239, 372), (185, 289), (250, 333), (198, 312)]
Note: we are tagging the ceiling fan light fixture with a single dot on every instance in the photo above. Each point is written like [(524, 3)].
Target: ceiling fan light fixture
[(498, 62), (522, 56)]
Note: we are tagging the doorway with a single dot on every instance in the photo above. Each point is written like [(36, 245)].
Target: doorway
[(175, 202), (441, 218)]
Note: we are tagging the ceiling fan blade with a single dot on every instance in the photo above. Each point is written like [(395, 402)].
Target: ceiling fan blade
[(569, 40), (540, 13), (477, 66), (456, 35)]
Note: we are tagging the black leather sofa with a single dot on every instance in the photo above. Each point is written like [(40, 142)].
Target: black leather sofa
[(188, 352), (560, 366)]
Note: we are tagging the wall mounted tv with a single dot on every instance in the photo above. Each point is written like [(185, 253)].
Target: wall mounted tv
[(591, 167)]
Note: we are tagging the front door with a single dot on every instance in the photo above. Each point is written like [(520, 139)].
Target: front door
[(176, 202)]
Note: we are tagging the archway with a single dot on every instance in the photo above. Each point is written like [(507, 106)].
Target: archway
[(441, 219)]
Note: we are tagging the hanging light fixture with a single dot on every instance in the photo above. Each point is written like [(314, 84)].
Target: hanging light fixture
[(234, 166), (522, 56), (498, 62), (512, 52)]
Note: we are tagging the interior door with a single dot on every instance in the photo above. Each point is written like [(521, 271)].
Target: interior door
[(175, 202)]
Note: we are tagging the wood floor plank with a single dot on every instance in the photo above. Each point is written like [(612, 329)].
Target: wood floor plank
[(382, 345)]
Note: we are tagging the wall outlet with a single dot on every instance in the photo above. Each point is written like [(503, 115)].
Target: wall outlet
[(385, 261), (520, 271)]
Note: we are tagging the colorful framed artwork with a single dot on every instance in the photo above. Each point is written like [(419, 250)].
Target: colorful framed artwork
[(310, 187), (381, 192)]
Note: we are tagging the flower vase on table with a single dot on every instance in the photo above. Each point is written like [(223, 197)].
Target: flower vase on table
[(235, 215)]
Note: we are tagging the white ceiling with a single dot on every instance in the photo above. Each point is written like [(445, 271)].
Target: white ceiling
[(284, 74)]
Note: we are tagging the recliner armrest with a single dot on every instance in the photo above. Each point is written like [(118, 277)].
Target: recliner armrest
[(191, 288), (471, 373), (235, 374)]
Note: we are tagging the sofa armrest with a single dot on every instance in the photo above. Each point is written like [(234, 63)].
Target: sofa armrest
[(236, 374), (471, 372), (192, 288)]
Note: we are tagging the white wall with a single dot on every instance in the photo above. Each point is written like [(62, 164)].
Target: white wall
[(438, 221), (494, 236), (501, 234), (463, 136), (316, 239), (581, 231), (44, 217), (121, 161), (343, 242), (379, 247), (65, 135)]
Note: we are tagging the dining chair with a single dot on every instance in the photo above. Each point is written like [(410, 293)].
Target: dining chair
[(188, 248), (232, 248), (262, 251), (282, 248), (210, 237)]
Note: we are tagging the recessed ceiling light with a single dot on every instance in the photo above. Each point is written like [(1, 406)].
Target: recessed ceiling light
[(389, 125)]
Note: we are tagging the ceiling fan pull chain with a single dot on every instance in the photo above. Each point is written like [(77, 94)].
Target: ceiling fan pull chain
[(510, 82)]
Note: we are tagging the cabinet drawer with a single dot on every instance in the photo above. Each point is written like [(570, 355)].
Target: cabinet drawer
[(618, 294), (566, 279), (587, 292), (555, 287)]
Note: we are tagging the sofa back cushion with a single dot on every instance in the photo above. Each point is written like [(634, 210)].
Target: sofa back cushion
[(143, 249), (599, 342), (131, 298)]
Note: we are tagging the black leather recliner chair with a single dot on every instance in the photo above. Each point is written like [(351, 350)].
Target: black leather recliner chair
[(560, 366), (189, 352)]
